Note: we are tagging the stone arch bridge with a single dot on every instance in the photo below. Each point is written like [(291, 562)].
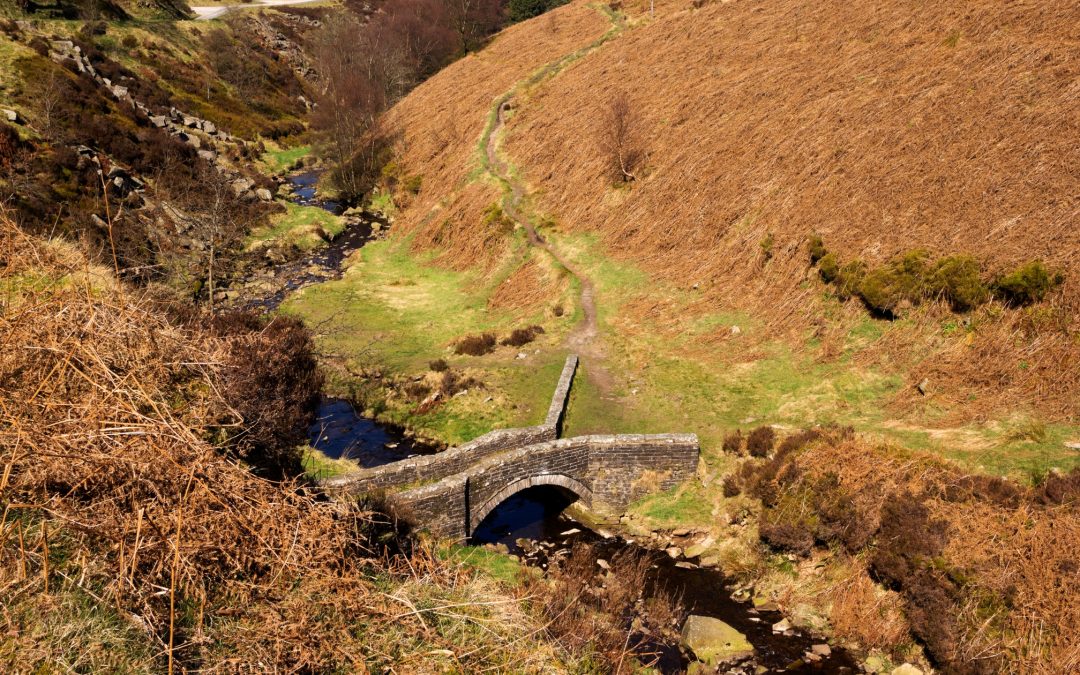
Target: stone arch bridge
[(451, 492)]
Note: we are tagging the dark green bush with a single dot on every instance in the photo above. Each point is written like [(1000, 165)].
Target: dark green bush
[(1027, 284), (828, 267), (957, 279), (903, 280), (817, 249)]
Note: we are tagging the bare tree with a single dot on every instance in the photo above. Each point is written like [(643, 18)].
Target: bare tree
[(473, 19), (621, 138)]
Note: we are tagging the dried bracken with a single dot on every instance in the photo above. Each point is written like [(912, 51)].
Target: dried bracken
[(130, 540)]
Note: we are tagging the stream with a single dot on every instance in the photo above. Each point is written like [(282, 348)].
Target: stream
[(323, 264), (532, 524)]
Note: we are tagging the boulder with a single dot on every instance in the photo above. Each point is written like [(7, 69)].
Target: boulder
[(191, 122), (907, 669), (208, 155), (822, 650), (209, 127), (700, 547), (781, 626), (120, 92), (191, 140), (713, 641), (264, 195), (241, 185), (159, 121), (10, 115), (673, 551), (63, 46)]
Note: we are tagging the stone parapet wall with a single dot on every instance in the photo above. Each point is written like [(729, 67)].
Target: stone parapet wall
[(559, 399), (434, 467), (455, 460), (605, 472)]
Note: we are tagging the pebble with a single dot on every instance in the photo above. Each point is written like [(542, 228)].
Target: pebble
[(569, 532)]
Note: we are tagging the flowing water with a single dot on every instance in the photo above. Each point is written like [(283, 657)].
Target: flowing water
[(325, 263), (532, 524)]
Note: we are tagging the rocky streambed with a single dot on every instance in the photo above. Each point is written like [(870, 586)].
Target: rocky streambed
[(275, 273), (717, 626)]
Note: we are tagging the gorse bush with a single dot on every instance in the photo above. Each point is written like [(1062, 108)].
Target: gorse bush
[(888, 288), (957, 280), (913, 277), (1027, 284), (817, 249)]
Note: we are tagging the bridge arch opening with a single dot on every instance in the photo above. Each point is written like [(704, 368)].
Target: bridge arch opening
[(527, 508)]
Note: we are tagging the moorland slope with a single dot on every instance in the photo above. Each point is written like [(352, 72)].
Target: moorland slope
[(883, 129)]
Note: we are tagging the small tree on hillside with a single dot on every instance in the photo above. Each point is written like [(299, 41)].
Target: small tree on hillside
[(621, 138)]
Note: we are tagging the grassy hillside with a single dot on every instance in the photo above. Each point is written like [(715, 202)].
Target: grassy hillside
[(896, 138)]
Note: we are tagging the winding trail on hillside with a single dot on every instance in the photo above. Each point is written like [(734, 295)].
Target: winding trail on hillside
[(215, 11), (584, 338)]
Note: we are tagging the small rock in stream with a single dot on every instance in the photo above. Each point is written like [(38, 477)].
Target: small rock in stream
[(781, 626), (572, 530)]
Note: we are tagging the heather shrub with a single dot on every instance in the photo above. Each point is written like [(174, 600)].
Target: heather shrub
[(731, 487), (1058, 489), (417, 390), (476, 345), (1027, 284), (271, 379), (760, 441), (786, 535), (522, 336), (452, 383), (980, 487), (733, 443), (439, 365)]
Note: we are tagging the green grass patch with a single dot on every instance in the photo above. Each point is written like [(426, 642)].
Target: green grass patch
[(299, 226), (687, 504), (281, 160), (398, 312), (498, 566), (318, 466)]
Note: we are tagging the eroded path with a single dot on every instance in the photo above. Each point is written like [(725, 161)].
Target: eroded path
[(215, 11), (584, 339)]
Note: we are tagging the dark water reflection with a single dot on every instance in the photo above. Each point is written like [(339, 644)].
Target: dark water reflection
[(339, 432)]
